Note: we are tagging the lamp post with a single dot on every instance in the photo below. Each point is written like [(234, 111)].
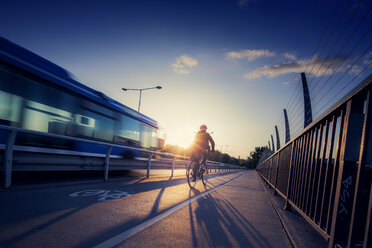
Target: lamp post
[(140, 96)]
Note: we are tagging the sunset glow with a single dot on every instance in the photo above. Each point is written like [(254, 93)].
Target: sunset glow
[(182, 137), (231, 66)]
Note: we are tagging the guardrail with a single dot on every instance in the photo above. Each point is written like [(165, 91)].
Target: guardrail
[(45, 162), (325, 173)]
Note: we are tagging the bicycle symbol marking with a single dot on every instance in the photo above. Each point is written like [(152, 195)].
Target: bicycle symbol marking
[(103, 195)]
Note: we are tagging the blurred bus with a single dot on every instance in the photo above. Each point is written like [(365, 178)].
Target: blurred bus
[(38, 95)]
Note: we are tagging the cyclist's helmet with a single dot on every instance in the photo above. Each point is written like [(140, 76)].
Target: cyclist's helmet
[(203, 127)]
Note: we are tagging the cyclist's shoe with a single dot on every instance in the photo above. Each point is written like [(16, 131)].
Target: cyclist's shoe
[(197, 175), (193, 176)]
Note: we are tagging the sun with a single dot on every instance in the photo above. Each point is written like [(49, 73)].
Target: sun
[(182, 137)]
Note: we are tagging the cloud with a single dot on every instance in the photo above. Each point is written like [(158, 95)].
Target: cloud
[(249, 54), (290, 56), (354, 70), (184, 63), (319, 67), (285, 83)]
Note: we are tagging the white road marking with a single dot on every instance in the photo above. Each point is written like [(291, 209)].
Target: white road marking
[(103, 195), (114, 241)]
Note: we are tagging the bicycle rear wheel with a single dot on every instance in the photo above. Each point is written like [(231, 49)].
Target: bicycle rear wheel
[(190, 170), (205, 175)]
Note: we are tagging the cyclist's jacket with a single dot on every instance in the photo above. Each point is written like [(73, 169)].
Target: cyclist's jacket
[(201, 141)]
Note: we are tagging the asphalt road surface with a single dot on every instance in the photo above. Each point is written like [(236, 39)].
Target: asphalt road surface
[(232, 211)]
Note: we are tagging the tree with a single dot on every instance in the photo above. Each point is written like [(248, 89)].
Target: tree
[(255, 156), (216, 156)]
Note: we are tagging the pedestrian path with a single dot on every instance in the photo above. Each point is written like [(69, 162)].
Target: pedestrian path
[(236, 215)]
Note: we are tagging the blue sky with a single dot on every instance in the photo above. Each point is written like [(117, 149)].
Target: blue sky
[(232, 64)]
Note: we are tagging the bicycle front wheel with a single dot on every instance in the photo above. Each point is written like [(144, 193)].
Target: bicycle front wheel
[(191, 171), (205, 175)]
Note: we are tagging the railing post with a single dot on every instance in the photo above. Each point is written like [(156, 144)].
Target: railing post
[(287, 206), (363, 180), (347, 175), (368, 229), (107, 162), (148, 166), (276, 174), (8, 158), (173, 162), (271, 172)]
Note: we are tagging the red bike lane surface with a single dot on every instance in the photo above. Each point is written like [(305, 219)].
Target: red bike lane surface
[(236, 215), (83, 215)]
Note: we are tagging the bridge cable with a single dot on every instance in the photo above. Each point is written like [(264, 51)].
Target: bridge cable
[(345, 59), (335, 42), (298, 94), (330, 36), (289, 104), (334, 84), (297, 124), (365, 68), (342, 62), (322, 35)]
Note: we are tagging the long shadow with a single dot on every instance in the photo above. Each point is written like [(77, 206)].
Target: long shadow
[(154, 209), (218, 220), (140, 180), (192, 225), (141, 186), (243, 221), (55, 204), (244, 187), (109, 233), (10, 242), (215, 222)]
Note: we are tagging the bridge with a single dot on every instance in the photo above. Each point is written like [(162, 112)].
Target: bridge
[(315, 191), (91, 174), (235, 209)]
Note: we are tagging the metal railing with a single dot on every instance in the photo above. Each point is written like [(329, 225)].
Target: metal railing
[(166, 160), (325, 173)]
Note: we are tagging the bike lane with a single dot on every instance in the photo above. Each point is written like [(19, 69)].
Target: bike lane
[(83, 215), (236, 215)]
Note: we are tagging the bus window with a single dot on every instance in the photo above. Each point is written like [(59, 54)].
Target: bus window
[(128, 131), (161, 136), (82, 126), (95, 121), (146, 136), (44, 118), (154, 138), (104, 128), (10, 108), (36, 90), (86, 121)]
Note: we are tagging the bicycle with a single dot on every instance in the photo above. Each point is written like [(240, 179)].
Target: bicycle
[(201, 170)]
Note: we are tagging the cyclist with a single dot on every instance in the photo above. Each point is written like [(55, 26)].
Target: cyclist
[(200, 147)]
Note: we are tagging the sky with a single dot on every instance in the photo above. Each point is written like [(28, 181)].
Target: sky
[(230, 64)]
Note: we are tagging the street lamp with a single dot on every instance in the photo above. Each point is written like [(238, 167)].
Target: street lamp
[(140, 96)]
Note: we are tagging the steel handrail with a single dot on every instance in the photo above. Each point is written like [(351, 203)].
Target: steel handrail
[(13, 131), (328, 112), (322, 172)]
